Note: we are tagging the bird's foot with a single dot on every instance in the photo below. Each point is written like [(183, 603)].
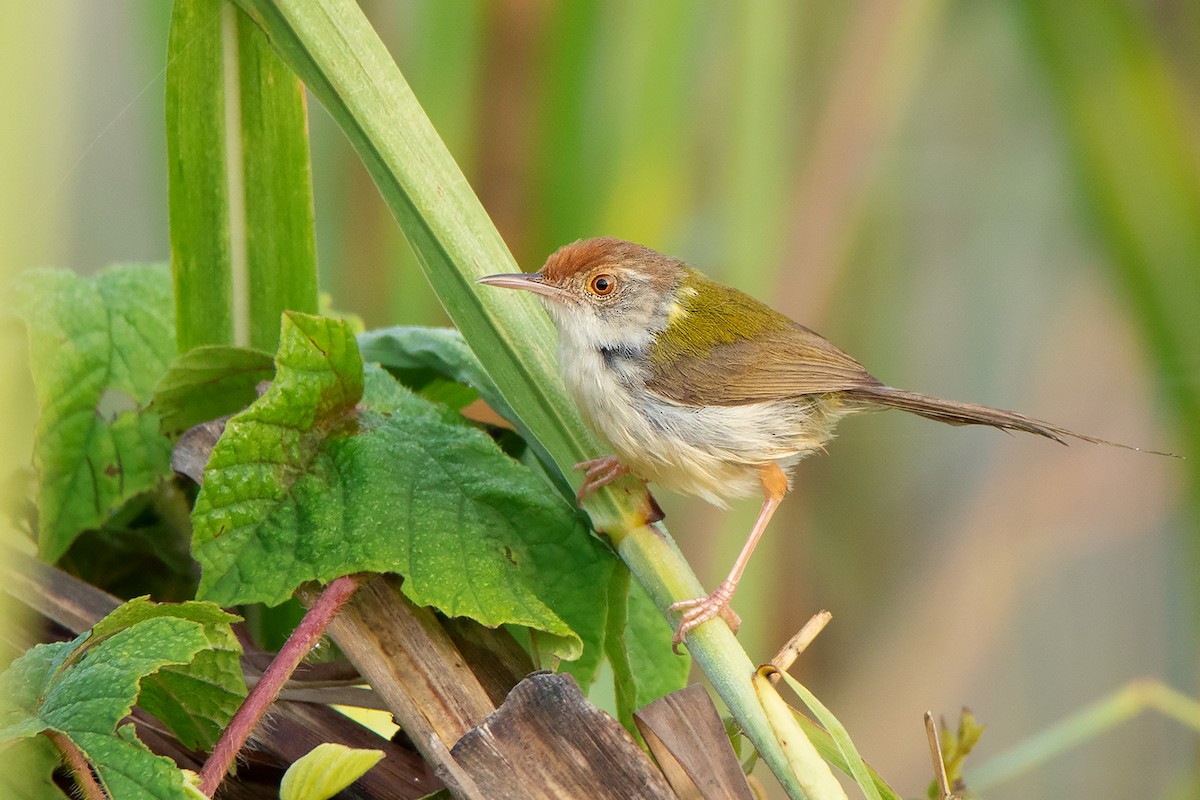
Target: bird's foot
[(702, 609), (599, 472)]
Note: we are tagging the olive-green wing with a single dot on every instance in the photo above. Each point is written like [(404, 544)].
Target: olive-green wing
[(712, 355)]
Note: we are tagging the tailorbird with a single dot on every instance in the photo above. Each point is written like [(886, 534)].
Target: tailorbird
[(704, 390)]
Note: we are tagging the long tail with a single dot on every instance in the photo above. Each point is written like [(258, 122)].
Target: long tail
[(955, 413)]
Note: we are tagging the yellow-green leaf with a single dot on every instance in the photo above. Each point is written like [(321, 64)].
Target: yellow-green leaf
[(326, 770)]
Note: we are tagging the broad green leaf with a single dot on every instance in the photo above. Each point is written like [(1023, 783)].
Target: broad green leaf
[(70, 686), (438, 363), (21, 686), (82, 689), (567, 567), (326, 770), (319, 478), (97, 348), (128, 769), (195, 700), (207, 383)]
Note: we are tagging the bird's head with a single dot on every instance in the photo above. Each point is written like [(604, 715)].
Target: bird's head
[(604, 292)]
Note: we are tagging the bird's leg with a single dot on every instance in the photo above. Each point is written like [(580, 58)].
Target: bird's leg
[(702, 609), (599, 472)]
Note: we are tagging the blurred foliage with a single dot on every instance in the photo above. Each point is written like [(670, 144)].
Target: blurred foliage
[(994, 202)]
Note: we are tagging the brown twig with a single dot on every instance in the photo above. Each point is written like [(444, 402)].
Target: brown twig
[(939, 763), (791, 649), (298, 645)]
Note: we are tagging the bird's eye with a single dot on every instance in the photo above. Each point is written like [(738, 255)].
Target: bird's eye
[(602, 284)]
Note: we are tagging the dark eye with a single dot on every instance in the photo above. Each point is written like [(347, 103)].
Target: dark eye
[(602, 284)]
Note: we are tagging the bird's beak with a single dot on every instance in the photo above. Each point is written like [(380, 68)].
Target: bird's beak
[(530, 282)]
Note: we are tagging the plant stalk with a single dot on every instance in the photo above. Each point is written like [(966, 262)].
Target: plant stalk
[(298, 645), (85, 779)]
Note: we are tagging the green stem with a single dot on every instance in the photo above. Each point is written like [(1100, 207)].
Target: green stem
[(1085, 724), (197, 186)]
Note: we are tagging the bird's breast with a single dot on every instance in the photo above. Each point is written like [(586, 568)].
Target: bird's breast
[(710, 451)]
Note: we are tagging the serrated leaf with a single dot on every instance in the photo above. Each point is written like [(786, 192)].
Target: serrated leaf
[(195, 700), (128, 770), (209, 382), (326, 770), (83, 688), (438, 363), (97, 348), (310, 484)]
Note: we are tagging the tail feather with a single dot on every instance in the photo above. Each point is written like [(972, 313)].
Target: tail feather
[(953, 412)]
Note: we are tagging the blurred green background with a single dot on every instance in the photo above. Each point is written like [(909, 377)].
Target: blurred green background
[(990, 202)]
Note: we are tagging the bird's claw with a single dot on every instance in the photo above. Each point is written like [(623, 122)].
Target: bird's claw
[(702, 609), (598, 472)]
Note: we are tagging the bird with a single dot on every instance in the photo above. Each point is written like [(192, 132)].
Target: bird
[(703, 390)]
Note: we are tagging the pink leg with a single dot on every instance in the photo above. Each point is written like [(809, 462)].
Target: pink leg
[(702, 609), (599, 472)]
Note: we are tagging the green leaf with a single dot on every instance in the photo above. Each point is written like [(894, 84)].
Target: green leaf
[(97, 348), (437, 362), (656, 670), (415, 355), (638, 645), (326, 770), (850, 759), (195, 700), (71, 686), (128, 769), (207, 383), (309, 483), (82, 689)]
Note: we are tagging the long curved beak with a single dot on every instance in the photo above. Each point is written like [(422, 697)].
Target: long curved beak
[(529, 282)]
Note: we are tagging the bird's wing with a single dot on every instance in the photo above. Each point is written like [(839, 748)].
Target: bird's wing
[(700, 361)]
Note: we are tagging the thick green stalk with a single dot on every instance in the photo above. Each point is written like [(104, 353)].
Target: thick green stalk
[(198, 189), (332, 47), (281, 248), (240, 188)]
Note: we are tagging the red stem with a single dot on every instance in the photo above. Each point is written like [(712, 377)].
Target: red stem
[(85, 779), (298, 645)]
